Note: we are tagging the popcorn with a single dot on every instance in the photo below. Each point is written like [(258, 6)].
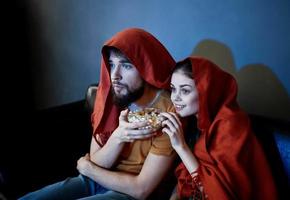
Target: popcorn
[(151, 115)]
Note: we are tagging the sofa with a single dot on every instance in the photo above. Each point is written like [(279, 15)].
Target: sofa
[(55, 138)]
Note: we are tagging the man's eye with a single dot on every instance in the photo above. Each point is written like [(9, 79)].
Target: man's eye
[(126, 66), (111, 65)]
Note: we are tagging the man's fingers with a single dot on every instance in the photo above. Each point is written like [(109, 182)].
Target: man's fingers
[(123, 115), (138, 137), (133, 125), (132, 135), (140, 132)]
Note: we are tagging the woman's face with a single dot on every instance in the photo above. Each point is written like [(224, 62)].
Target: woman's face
[(184, 94)]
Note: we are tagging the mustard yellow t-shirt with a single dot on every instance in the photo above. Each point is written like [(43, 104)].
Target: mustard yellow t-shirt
[(134, 154)]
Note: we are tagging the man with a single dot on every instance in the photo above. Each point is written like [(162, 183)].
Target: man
[(126, 160)]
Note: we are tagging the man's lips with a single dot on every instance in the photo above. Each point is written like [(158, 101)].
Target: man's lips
[(118, 85)]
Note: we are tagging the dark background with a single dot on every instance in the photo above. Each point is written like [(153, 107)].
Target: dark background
[(45, 125), (37, 146)]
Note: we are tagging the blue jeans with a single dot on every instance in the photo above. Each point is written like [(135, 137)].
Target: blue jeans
[(80, 187)]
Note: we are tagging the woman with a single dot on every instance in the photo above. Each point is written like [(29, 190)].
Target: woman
[(221, 157)]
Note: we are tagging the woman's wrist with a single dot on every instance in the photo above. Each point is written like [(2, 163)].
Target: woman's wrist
[(187, 157), (181, 148)]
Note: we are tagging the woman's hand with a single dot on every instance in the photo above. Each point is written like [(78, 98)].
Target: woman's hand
[(173, 128), (129, 132)]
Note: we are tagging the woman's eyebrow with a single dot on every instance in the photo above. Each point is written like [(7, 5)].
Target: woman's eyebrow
[(184, 85)]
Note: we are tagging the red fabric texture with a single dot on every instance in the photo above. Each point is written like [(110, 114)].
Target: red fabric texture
[(232, 164), (151, 59)]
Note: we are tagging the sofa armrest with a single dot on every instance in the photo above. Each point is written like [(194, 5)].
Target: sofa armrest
[(91, 96)]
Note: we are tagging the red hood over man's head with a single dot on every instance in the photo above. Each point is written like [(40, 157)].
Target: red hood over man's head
[(151, 59)]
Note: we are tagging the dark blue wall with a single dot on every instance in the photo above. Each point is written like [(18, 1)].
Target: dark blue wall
[(248, 38)]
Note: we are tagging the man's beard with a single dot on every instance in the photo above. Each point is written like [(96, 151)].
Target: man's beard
[(129, 98)]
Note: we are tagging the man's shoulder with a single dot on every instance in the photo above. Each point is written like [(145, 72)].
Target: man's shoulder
[(164, 102)]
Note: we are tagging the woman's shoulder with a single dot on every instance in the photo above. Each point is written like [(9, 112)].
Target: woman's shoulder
[(231, 128), (236, 118)]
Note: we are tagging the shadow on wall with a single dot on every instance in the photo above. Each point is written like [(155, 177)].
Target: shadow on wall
[(260, 90)]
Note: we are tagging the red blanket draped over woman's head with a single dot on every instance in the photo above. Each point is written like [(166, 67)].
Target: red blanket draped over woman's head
[(232, 163), (151, 59)]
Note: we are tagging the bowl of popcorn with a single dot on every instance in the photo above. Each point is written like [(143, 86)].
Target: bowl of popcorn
[(150, 115)]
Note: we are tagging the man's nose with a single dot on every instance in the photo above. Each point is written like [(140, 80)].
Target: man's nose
[(115, 73)]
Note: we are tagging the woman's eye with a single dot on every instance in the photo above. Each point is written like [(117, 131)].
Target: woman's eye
[(172, 89), (184, 91)]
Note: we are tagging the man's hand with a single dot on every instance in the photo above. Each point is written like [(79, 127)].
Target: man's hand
[(108, 154), (139, 186), (128, 132), (85, 165)]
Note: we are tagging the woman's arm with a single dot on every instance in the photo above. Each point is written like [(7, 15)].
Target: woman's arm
[(173, 128)]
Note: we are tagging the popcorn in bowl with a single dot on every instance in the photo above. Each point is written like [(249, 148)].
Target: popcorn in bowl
[(151, 115)]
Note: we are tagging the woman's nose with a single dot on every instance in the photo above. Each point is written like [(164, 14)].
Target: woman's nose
[(176, 97)]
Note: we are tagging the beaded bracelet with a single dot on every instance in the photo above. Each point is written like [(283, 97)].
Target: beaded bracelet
[(198, 193)]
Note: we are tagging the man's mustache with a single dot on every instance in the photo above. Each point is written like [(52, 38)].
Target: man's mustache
[(119, 84)]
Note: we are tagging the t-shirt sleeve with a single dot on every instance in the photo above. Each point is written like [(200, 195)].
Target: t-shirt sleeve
[(161, 145)]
